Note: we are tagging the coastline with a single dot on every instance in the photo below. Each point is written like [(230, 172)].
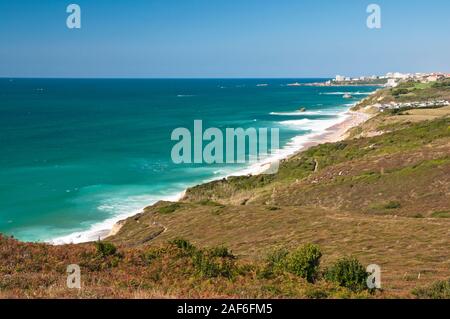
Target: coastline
[(332, 134), (337, 131)]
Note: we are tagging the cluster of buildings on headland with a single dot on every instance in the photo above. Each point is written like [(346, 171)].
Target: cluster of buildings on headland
[(411, 105), (391, 79)]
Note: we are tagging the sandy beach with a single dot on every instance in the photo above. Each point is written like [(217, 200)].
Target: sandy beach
[(340, 130)]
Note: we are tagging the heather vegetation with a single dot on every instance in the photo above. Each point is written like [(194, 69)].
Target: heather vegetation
[(437, 290), (181, 269), (175, 269)]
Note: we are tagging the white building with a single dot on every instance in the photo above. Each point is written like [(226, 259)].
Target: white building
[(397, 75), (339, 78), (391, 83)]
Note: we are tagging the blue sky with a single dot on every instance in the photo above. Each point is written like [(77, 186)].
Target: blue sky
[(222, 38)]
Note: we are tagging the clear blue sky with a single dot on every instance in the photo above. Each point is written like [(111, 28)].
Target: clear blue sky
[(222, 38)]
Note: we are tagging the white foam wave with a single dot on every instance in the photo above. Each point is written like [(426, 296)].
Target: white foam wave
[(121, 209), (343, 93), (297, 123), (315, 126), (299, 113)]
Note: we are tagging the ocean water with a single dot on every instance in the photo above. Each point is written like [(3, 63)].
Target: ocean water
[(76, 155)]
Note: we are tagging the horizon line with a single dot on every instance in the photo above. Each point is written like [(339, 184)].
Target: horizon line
[(158, 78)]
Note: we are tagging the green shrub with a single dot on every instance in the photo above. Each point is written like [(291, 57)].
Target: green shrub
[(442, 214), (275, 262), (398, 92), (204, 266), (209, 266), (441, 84), (304, 262), (105, 249), (153, 254), (169, 208), (438, 290), (185, 246), (221, 252), (348, 272), (340, 145), (277, 259), (207, 202), (392, 205), (210, 263)]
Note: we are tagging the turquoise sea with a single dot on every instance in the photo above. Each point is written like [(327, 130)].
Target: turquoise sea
[(78, 154)]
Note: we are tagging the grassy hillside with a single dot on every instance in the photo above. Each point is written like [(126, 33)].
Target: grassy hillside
[(408, 165)]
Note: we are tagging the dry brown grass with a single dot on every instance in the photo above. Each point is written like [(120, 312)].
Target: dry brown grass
[(403, 247), (380, 123)]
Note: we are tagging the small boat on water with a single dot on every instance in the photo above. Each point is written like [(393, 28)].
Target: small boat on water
[(294, 84), (347, 96), (302, 110)]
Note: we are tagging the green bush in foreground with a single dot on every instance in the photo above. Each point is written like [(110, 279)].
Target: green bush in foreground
[(276, 262), (185, 248), (208, 263), (438, 290), (209, 266), (105, 249), (277, 259), (183, 244), (221, 251), (153, 254), (304, 262), (348, 272)]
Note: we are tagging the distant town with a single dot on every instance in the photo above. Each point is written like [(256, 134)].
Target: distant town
[(391, 79), (411, 105)]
